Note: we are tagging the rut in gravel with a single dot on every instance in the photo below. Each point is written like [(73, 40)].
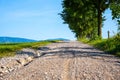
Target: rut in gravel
[(69, 61)]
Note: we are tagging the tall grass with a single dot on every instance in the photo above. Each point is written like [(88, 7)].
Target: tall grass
[(111, 45), (9, 49)]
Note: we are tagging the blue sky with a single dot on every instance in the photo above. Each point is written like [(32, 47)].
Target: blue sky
[(39, 20), (109, 24)]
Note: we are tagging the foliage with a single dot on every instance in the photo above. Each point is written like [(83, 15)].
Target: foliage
[(81, 18), (115, 8), (84, 17)]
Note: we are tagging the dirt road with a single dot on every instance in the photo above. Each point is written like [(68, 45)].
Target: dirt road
[(69, 61)]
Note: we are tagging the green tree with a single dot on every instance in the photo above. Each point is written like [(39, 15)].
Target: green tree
[(101, 6), (83, 16)]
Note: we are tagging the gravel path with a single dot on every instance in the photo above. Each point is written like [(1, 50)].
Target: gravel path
[(69, 61)]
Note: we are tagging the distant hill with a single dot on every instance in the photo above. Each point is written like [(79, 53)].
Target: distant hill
[(14, 40), (61, 39)]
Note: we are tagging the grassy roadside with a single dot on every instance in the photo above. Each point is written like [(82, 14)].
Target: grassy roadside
[(111, 45), (9, 49)]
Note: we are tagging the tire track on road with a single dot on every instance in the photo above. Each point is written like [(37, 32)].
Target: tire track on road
[(66, 70)]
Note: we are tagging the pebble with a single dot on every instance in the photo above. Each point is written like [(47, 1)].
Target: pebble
[(63, 61)]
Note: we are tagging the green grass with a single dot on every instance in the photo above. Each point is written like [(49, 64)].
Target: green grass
[(9, 49), (112, 45)]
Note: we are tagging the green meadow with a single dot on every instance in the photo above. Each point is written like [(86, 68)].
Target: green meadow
[(9, 49)]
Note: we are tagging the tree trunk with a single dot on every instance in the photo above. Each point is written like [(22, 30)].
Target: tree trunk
[(99, 21)]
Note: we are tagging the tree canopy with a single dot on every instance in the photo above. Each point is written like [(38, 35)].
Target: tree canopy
[(84, 17)]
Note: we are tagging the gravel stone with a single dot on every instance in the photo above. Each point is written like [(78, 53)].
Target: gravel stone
[(68, 61)]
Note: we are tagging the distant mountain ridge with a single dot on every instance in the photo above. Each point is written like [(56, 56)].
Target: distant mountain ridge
[(14, 40), (18, 40), (61, 39)]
